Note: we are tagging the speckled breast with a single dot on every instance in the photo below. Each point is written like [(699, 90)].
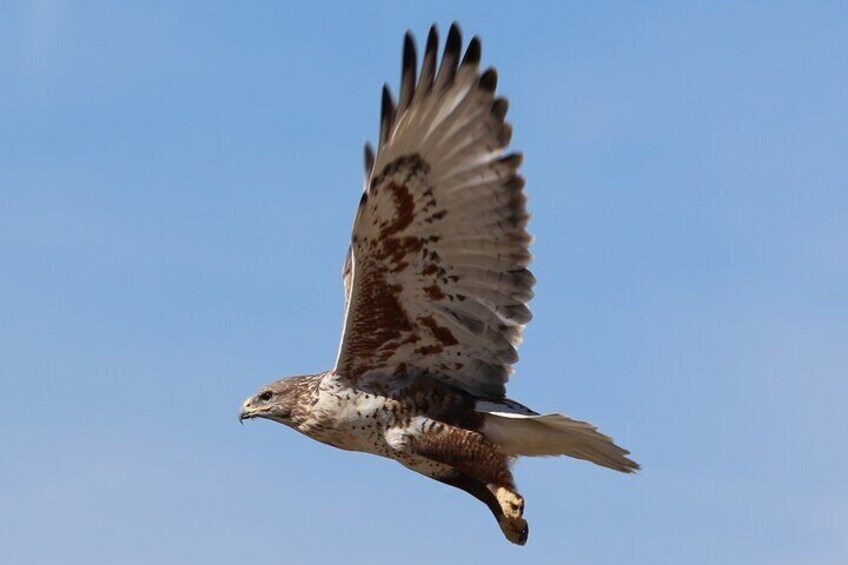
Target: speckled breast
[(352, 419)]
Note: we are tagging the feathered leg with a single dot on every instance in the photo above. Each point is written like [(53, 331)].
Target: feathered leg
[(480, 468)]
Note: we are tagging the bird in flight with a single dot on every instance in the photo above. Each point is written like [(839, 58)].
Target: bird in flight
[(436, 292)]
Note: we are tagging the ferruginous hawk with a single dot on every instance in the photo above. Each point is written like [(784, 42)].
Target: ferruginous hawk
[(436, 291)]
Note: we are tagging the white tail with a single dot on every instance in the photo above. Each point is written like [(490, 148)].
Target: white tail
[(520, 431)]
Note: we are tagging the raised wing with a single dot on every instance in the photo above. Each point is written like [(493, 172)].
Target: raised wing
[(437, 274)]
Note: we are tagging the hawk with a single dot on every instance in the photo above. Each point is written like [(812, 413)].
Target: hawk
[(436, 292)]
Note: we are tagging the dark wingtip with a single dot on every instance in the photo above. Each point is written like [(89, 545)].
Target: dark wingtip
[(432, 39), (450, 58), (387, 104), (407, 74), (499, 108), (369, 159), (515, 183), (489, 80), (387, 114), (428, 64), (454, 42), (473, 52), (504, 135), (512, 160), (409, 54)]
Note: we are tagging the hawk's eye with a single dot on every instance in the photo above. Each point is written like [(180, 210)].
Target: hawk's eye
[(266, 396)]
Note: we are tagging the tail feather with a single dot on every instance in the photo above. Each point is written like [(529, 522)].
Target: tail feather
[(520, 431)]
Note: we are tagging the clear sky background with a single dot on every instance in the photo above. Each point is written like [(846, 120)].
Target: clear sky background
[(177, 185)]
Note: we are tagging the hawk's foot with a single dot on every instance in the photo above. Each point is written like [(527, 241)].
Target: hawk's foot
[(515, 529)]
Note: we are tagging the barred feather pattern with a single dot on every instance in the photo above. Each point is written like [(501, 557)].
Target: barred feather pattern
[(436, 277)]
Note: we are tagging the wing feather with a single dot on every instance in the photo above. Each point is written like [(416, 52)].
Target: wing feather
[(436, 277)]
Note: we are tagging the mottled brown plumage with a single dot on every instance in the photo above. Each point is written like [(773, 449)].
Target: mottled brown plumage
[(436, 291)]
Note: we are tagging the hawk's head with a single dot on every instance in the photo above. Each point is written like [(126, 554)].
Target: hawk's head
[(279, 401)]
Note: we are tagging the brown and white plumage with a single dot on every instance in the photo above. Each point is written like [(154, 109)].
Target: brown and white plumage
[(436, 291), (439, 242)]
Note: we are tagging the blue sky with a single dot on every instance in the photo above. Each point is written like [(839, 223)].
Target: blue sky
[(177, 185)]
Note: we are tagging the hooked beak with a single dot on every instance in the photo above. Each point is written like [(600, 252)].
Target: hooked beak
[(248, 411)]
